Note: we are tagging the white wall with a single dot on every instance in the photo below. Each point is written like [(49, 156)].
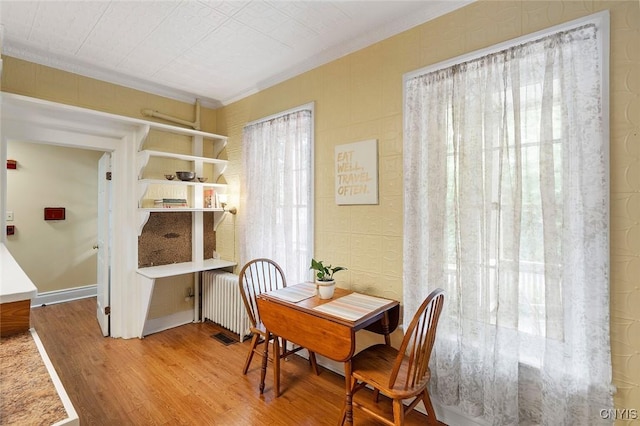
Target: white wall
[(56, 255)]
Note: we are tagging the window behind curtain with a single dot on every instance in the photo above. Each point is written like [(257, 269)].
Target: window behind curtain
[(278, 191), (506, 207)]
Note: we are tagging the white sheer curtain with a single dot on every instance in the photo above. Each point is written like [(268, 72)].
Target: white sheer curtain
[(506, 207), (278, 184)]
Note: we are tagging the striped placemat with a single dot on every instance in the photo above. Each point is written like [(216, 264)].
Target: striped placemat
[(352, 306), (295, 293)]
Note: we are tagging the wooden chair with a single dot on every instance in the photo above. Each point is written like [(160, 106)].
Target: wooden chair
[(256, 277), (404, 373)]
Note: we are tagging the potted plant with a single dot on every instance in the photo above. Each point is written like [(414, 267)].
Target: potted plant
[(324, 278)]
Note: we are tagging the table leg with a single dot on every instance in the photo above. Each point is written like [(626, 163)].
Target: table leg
[(276, 365), (348, 415), (265, 358), (385, 328)]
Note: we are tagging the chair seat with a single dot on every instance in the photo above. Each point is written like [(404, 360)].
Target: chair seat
[(375, 365)]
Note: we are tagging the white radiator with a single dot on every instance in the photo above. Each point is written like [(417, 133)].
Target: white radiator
[(222, 302)]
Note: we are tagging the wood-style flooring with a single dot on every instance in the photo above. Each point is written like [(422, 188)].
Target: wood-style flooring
[(180, 376)]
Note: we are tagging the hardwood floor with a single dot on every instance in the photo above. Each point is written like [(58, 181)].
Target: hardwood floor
[(180, 376)]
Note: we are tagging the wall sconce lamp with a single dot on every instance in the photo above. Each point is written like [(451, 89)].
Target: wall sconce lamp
[(223, 202)]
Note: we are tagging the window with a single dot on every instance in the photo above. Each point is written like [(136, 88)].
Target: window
[(278, 191), (506, 201)]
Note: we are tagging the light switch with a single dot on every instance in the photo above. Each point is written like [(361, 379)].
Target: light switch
[(9, 216)]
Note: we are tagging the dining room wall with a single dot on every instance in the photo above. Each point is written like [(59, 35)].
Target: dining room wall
[(359, 97)]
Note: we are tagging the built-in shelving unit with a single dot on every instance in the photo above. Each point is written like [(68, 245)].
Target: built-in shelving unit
[(196, 204)]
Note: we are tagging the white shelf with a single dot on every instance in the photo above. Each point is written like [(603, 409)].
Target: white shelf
[(182, 182), (207, 160), (162, 271), (219, 166), (178, 209)]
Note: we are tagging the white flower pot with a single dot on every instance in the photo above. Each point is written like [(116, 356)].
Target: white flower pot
[(325, 288)]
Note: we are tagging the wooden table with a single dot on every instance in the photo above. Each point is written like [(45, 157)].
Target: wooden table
[(325, 334)]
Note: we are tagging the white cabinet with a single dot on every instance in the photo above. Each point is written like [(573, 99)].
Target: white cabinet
[(152, 185)]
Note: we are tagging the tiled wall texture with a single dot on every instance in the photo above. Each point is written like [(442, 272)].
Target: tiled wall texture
[(359, 97)]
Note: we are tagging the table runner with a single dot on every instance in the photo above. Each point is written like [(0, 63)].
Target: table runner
[(352, 306), (295, 293)]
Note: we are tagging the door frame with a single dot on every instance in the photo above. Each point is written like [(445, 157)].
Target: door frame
[(103, 243), (39, 121)]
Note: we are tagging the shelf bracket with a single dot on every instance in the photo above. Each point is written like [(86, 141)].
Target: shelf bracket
[(143, 218), (218, 170), (141, 136), (142, 159), (222, 144), (143, 187), (217, 219)]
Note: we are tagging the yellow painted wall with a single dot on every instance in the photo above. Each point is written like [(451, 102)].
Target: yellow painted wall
[(55, 255), (29, 79), (359, 97)]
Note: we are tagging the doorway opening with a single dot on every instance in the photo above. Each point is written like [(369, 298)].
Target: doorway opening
[(64, 258)]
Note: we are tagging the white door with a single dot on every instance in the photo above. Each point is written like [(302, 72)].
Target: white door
[(104, 228)]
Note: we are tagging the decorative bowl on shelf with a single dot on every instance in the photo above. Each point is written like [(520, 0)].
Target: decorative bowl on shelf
[(202, 179), (170, 177), (186, 176)]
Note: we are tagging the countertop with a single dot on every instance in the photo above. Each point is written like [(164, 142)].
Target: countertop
[(15, 285)]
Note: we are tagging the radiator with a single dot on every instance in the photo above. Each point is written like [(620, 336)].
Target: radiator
[(222, 302)]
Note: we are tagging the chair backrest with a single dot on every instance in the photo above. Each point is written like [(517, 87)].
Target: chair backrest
[(256, 277), (411, 368)]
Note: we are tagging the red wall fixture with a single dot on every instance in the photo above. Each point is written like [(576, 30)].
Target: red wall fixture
[(11, 229), (54, 213), (12, 164)]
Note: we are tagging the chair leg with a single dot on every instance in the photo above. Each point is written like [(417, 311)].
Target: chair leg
[(254, 343), (376, 395), (343, 416), (313, 362), (398, 412), (429, 407), (265, 358)]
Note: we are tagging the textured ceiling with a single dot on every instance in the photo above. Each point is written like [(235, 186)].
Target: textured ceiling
[(218, 51)]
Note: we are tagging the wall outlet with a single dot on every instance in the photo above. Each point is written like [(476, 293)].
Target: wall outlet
[(9, 217)]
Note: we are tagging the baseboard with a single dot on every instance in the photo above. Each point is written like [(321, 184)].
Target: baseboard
[(72, 416), (66, 295), (164, 323)]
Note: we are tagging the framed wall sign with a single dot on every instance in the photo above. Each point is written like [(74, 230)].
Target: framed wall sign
[(356, 166)]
